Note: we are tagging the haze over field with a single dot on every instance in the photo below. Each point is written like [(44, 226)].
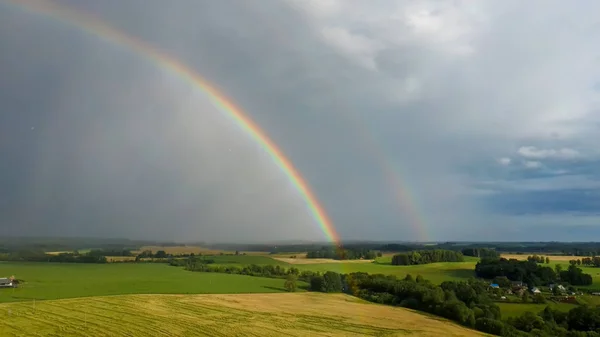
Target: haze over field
[(418, 120)]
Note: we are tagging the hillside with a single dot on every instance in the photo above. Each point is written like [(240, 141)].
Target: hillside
[(299, 314)]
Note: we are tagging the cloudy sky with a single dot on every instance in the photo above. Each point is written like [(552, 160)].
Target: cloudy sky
[(410, 120)]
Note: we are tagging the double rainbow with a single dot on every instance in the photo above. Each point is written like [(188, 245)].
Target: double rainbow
[(96, 27)]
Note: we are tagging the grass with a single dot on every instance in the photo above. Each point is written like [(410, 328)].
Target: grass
[(46, 281), (306, 314), (517, 309), (244, 260), (435, 272)]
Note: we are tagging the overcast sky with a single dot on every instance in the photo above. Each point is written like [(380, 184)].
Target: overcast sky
[(410, 120)]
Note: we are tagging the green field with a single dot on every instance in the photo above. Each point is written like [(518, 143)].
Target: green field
[(517, 309), (244, 260), (435, 272), (54, 281), (305, 314)]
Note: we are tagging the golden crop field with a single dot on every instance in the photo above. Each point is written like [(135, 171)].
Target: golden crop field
[(291, 314)]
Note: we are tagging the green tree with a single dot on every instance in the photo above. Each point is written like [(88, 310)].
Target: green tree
[(420, 279), (556, 291), (491, 326), (502, 281), (528, 321), (408, 277), (160, 254), (547, 260), (539, 298), (379, 254), (558, 269), (525, 297), (290, 283), (332, 282), (317, 283)]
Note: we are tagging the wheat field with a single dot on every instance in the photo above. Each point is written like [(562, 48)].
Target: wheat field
[(291, 314)]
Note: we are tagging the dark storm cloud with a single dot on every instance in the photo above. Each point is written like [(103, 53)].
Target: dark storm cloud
[(96, 140)]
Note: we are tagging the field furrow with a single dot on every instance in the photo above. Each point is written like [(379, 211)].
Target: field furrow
[(301, 314)]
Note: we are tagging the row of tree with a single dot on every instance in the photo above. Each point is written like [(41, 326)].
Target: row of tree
[(36, 256), (593, 261), (480, 252), (339, 253), (530, 272), (538, 259), (427, 256)]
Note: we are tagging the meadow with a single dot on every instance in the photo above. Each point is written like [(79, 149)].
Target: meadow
[(517, 309), (44, 281), (435, 272), (298, 314)]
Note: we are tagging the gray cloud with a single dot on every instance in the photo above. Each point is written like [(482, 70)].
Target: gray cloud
[(392, 111)]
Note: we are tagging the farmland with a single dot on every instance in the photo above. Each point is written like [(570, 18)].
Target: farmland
[(556, 258), (435, 272), (55, 281), (220, 315), (160, 287)]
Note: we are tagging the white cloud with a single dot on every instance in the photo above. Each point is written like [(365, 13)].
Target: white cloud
[(504, 161), (531, 152)]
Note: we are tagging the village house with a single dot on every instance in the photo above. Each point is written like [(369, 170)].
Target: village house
[(535, 290), (6, 283), (517, 284), (518, 288), (559, 287)]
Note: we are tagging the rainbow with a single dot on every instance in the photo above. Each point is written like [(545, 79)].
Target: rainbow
[(393, 173), (404, 198), (96, 27)]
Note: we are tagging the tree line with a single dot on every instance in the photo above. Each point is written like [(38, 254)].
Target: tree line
[(538, 259), (530, 272), (480, 252), (36, 256), (341, 254), (426, 256)]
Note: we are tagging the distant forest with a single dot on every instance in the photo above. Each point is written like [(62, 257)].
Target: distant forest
[(427, 256), (587, 249), (341, 254), (477, 249)]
